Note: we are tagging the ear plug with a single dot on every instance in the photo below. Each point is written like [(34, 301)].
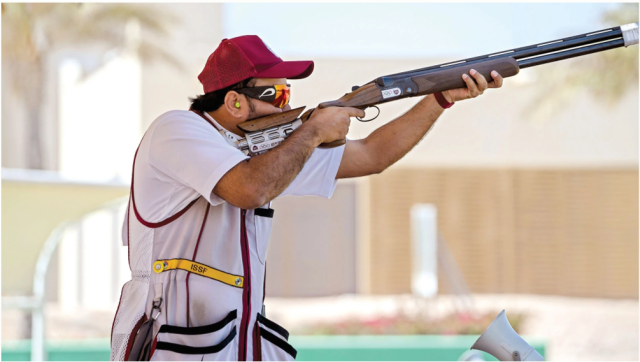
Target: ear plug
[(237, 104)]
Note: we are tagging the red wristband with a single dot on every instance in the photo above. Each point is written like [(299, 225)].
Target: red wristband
[(442, 101)]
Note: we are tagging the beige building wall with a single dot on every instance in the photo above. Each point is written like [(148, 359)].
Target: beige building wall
[(313, 246), (567, 232)]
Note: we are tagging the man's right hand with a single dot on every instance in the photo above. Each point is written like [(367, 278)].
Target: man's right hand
[(332, 123)]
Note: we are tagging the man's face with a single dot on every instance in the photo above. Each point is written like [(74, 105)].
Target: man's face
[(261, 108)]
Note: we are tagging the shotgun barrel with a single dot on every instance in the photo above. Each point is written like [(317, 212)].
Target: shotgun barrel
[(541, 53)]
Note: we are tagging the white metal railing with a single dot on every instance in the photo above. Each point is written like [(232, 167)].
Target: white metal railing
[(35, 302)]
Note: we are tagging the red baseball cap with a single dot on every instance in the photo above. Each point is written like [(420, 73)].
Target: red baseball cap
[(247, 56)]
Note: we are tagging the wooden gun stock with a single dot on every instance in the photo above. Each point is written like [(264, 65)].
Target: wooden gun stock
[(271, 120), (451, 78), (279, 119)]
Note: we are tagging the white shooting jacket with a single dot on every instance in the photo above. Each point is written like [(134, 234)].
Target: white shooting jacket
[(205, 267)]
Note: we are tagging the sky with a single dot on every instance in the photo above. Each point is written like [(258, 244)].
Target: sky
[(408, 30)]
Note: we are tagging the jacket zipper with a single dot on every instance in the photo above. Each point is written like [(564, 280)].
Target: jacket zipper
[(246, 294)]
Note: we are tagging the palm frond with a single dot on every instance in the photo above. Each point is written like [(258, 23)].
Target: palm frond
[(150, 52), (60, 25), (151, 19), (606, 76)]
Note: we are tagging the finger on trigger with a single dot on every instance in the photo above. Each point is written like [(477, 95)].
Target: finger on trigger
[(356, 112)]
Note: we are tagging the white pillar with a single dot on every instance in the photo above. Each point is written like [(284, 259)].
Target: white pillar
[(424, 249), (100, 118)]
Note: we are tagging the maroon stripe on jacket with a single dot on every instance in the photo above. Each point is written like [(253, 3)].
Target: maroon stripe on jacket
[(164, 222), (246, 294), (195, 252), (179, 213), (257, 342), (129, 233)]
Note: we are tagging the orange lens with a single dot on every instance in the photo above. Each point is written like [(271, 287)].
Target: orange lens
[(282, 95)]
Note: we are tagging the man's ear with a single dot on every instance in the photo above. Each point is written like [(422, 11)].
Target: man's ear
[(234, 104)]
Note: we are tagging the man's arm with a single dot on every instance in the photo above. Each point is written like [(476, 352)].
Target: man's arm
[(389, 143), (262, 178)]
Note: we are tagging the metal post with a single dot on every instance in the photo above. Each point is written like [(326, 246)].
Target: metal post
[(38, 352)]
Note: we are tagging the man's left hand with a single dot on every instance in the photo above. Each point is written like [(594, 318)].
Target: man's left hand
[(473, 90)]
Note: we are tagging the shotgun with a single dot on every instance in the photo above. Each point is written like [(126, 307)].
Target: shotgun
[(265, 133)]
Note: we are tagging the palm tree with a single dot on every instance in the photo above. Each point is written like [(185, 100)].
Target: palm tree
[(606, 75), (32, 33)]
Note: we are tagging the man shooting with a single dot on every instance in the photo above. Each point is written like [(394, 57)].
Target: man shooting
[(199, 216)]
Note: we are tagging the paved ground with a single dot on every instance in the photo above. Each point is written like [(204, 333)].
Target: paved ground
[(575, 328)]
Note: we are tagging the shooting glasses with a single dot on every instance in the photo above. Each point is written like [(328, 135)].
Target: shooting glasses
[(278, 94)]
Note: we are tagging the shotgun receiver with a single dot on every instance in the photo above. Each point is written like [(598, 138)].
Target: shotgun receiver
[(268, 132)]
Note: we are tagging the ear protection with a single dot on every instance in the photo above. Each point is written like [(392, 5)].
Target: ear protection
[(237, 104)]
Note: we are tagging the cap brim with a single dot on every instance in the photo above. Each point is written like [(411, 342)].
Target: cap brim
[(290, 70)]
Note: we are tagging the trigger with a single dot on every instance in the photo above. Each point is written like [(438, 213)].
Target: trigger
[(369, 120)]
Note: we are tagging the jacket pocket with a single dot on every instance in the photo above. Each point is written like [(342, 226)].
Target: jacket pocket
[(263, 221), (215, 341), (271, 342)]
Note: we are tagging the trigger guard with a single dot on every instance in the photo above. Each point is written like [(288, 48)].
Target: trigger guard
[(369, 120)]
